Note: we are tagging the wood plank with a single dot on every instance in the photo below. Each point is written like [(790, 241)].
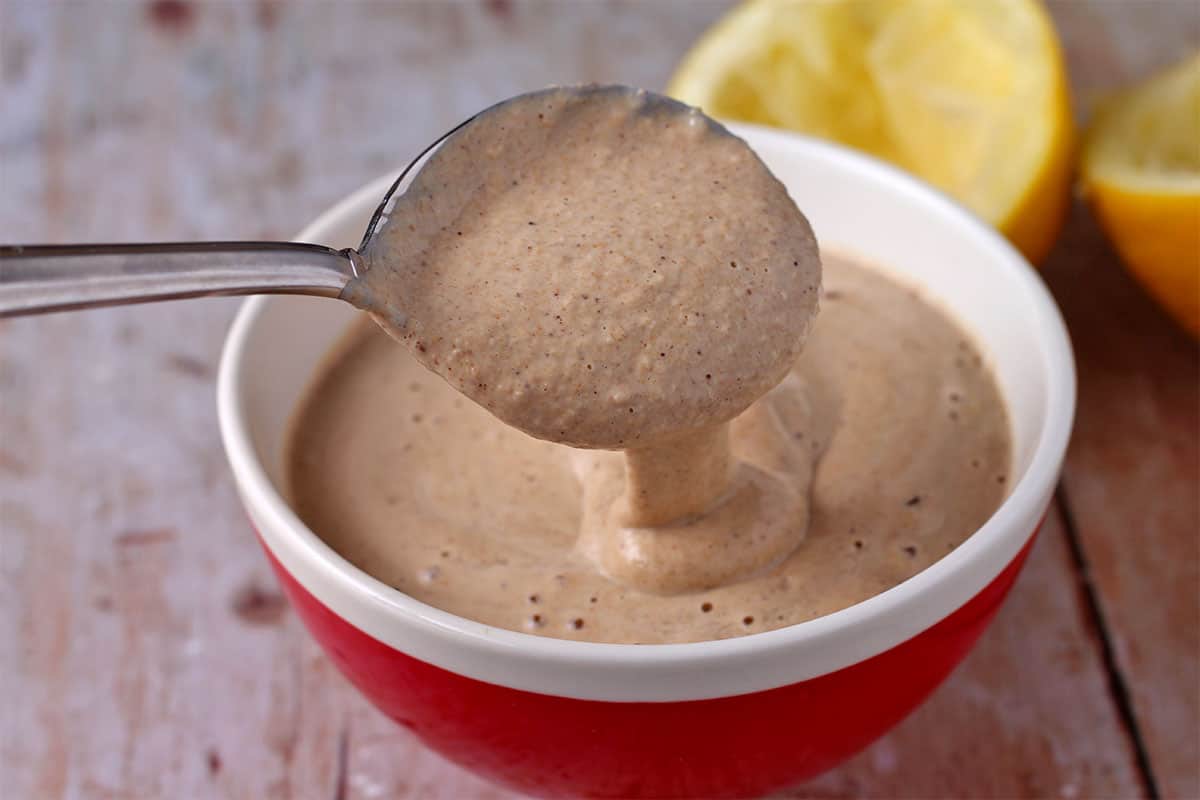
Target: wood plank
[(144, 649), (1133, 470)]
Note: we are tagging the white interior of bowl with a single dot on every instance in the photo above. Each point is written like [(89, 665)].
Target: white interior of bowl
[(854, 204)]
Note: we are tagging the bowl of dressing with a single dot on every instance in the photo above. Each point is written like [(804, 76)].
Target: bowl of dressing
[(755, 688)]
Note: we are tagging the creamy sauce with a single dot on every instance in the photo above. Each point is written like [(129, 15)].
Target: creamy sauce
[(889, 426), (565, 259), (607, 269)]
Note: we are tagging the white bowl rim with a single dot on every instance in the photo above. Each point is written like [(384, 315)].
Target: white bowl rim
[(671, 672)]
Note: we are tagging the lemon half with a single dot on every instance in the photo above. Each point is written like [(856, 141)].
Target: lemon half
[(1141, 170), (969, 95)]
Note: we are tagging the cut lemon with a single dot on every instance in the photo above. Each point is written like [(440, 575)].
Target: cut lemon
[(1141, 171), (969, 95)]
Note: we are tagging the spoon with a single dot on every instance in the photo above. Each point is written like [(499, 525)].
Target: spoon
[(41, 278), (36, 279)]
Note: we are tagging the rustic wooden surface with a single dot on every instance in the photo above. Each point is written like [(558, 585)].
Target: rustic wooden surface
[(145, 651)]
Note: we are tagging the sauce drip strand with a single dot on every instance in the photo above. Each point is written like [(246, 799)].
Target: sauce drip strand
[(608, 269)]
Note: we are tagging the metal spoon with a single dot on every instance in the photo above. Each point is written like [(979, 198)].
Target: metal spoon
[(41, 278)]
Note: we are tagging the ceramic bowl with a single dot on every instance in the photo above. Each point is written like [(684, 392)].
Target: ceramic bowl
[(736, 717)]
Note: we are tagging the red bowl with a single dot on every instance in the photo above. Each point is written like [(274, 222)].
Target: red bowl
[(735, 717)]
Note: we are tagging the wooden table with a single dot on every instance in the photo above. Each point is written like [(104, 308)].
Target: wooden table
[(146, 651)]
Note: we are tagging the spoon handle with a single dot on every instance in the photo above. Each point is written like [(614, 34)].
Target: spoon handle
[(40, 278)]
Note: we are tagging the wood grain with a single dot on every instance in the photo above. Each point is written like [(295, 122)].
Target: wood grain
[(144, 648), (1132, 476)]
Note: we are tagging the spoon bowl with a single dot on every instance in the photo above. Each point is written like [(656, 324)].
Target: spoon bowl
[(601, 267), (652, 102)]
